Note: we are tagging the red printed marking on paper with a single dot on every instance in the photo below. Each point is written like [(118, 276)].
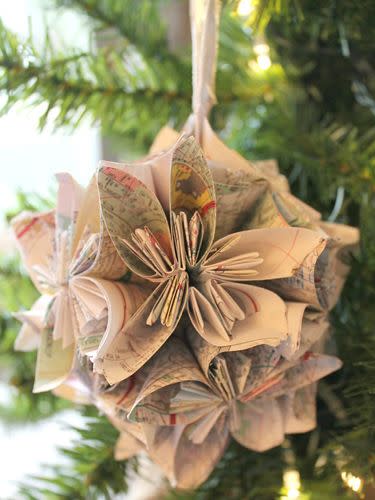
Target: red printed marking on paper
[(123, 178), (267, 385), (207, 207), (308, 355), (27, 227), (255, 305), (128, 390)]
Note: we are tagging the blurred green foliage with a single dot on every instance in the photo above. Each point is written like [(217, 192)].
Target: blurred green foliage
[(313, 111), (91, 473)]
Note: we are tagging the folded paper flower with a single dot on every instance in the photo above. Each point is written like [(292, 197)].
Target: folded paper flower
[(255, 195), (224, 243), (68, 253), (195, 273), (182, 408)]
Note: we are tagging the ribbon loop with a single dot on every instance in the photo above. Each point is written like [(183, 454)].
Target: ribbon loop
[(204, 19)]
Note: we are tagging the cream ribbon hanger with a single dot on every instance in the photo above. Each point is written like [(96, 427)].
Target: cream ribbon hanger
[(204, 21)]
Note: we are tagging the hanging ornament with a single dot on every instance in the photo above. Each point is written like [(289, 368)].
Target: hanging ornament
[(186, 295)]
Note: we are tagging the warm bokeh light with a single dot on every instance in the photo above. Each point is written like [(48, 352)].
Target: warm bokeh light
[(245, 8), (292, 483), (261, 49), (262, 52), (264, 61), (353, 482)]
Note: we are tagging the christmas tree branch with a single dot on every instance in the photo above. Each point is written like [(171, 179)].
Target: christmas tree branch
[(91, 471), (131, 19), (112, 87), (107, 85)]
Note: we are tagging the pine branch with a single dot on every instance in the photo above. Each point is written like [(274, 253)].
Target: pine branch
[(320, 154), (121, 90), (137, 21), (91, 472), (107, 86)]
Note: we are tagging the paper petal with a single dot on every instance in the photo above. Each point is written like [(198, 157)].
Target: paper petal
[(53, 362), (118, 301), (203, 316), (282, 250), (216, 152), (270, 170), (280, 209), (306, 283), (127, 446), (127, 204), (71, 394), (299, 410), (310, 368), (311, 333), (192, 188), (186, 464), (258, 326), (334, 265), (89, 213), (69, 198), (236, 194), (117, 400), (28, 338), (195, 462), (265, 214), (35, 235), (161, 445), (264, 360), (173, 364), (321, 276), (137, 342), (261, 425), (102, 259), (164, 140), (63, 321), (290, 345)]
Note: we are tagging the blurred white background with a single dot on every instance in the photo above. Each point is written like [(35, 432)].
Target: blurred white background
[(28, 161)]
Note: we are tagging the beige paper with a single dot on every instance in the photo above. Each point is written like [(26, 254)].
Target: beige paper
[(62, 250), (34, 233), (33, 321), (53, 363), (176, 397), (191, 269)]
